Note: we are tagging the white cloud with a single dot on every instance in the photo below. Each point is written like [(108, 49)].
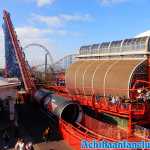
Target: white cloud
[(60, 20), (56, 26), (29, 32), (1, 38), (52, 21), (35, 55), (75, 17), (146, 33), (28, 35), (41, 3), (2, 54), (108, 2)]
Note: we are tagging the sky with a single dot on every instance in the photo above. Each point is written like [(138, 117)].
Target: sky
[(64, 25)]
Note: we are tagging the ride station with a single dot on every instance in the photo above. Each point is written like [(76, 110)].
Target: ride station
[(110, 81)]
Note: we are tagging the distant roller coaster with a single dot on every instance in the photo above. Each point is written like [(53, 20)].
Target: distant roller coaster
[(61, 64), (47, 54), (44, 48), (64, 62)]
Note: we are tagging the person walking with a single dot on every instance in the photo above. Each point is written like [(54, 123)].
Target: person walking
[(20, 145), (29, 146)]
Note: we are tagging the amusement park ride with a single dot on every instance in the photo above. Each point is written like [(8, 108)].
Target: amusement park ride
[(111, 78)]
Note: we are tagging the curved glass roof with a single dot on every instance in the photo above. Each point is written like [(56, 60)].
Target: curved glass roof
[(95, 46), (127, 45)]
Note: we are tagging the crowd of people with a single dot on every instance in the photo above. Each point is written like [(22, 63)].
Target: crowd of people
[(114, 99), (141, 95), (21, 145)]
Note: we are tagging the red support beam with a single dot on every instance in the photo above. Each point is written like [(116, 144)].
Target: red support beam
[(24, 69)]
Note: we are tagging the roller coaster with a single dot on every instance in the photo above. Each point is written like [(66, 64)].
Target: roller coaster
[(111, 79)]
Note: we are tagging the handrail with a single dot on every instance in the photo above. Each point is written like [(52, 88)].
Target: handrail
[(88, 134)]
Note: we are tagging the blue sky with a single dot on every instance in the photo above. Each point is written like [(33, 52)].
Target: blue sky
[(64, 25)]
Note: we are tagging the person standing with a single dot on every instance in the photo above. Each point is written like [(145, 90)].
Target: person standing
[(6, 138), (16, 127), (29, 146), (46, 134), (20, 145)]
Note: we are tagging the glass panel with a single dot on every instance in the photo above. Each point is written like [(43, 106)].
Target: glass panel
[(115, 46), (136, 44), (94, 46), (104, 47), (129, 45)]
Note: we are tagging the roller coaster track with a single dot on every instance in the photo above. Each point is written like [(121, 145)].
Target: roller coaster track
[(61, 64), (23, 65), (44, 48), (64, 62)]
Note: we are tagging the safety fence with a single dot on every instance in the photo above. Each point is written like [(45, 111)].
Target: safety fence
[(106, 105), (105, 129), (103, 104), (122, 108), (73, 135)]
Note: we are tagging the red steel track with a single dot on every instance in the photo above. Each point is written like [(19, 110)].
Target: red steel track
[(25, 72)]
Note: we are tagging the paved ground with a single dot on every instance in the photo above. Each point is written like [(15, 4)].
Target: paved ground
[(55, 145), (61, 145)]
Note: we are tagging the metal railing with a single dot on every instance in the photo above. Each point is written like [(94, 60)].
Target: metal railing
[(142, 132)]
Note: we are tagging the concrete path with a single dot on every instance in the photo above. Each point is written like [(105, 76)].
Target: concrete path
[(55, 145)]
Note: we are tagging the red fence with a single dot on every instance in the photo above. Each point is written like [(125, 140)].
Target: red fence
[(92, 129), (105, 129), (74, 135)]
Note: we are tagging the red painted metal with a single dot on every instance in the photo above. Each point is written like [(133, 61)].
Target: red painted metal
[(93, 130), (74, 135), (148, 68), (25, 72), (128, 111), (103, 104), (104, 129)]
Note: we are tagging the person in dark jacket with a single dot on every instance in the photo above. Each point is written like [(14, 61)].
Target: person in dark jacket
[(6, 138)]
